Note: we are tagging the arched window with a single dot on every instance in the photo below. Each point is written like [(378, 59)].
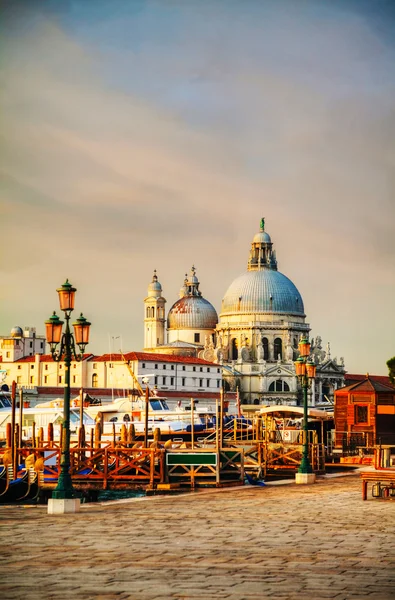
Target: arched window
[(152, 312), (278, 348), (234, 349), (279, 386), (95, 380), (265, 344), (148, 312)]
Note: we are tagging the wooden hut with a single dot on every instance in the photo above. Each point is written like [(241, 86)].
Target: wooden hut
[(365, 414)]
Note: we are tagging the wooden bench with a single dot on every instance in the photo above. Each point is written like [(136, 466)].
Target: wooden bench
[(385, 478)]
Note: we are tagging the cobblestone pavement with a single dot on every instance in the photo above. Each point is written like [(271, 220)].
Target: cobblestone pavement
[(289, 542)]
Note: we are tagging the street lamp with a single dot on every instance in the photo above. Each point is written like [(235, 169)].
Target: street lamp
[(305, 371), (63, 497)]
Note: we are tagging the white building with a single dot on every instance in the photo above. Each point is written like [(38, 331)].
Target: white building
[(173, 376), (256, 336)]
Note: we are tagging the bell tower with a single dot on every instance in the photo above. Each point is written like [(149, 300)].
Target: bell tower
[(154, 317)]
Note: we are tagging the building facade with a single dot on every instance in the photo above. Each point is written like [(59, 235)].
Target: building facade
[(255, 339), (169, 375)]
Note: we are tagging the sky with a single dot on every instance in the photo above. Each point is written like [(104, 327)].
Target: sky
[(142, 135)]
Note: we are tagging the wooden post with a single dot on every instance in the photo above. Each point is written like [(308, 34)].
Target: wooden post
[(221, 438), (114, 435), (146, 417), (124, 435), (13, 407), (97, 435), (50, 434), (216, 425), (192, 424), (16, 453), (20, 417), (40, 437), (8, 435), (81, 408), (34, 434)]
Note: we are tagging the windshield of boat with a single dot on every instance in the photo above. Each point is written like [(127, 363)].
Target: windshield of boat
[(5, 403), (158, 405)]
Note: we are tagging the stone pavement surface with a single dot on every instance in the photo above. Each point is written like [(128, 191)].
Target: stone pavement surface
[(286, 542)]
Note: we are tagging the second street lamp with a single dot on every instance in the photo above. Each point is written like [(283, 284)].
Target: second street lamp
[(63, 497), (305, 371)]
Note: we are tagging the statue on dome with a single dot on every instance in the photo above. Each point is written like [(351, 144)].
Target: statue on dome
[(262, 224), (342, 361)]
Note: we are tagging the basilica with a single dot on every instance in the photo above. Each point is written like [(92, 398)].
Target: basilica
[(255, 338)]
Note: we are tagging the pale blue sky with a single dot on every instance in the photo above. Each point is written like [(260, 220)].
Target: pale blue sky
[(142, 135)]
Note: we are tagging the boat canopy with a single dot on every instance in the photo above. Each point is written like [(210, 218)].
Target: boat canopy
[(294, 412)]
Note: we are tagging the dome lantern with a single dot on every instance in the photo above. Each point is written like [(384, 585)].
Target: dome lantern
[(261, 254)]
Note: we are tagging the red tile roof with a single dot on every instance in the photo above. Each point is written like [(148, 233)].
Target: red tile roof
[(352, 378), (368, 383), (151, 357)]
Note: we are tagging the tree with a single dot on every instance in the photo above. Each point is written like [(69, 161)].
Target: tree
[(391, 369)]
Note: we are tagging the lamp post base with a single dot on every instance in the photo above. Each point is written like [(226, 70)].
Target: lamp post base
[(62, 506), (304, 478)]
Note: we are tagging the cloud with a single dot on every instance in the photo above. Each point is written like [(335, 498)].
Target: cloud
[(117, 161)]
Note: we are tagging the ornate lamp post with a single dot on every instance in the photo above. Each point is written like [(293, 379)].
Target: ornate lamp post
[(305, 371), (63, 497)]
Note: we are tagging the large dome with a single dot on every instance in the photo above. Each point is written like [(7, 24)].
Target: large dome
[(264, 291), (192, 312)]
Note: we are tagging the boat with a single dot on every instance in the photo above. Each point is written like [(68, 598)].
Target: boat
[(41, 417)]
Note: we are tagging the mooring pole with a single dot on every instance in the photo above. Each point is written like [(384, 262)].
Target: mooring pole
[(20, 417), (13, 444), (146, 417)]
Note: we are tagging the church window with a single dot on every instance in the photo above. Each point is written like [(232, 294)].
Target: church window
[(164, 380), (197, 338), (278, 348), (265, 344), (200, 382), (95, 380), (279, 386), (148, 312), (234, 349)]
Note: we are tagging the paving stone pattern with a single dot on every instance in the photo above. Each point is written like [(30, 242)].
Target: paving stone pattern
[(286, 542)]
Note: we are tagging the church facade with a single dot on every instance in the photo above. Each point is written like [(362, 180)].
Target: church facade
[(255, 339)]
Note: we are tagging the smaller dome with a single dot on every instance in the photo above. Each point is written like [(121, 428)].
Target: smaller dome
[(192, 312), (154, 288), (17, 332), (262, 237)]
